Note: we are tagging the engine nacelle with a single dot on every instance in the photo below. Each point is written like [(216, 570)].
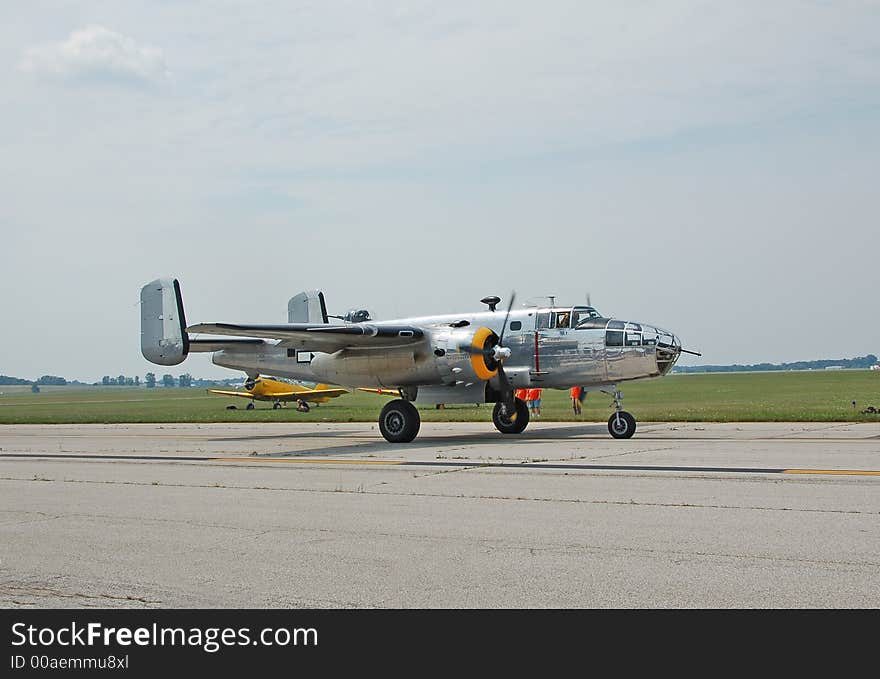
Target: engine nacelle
[(453, 357), (464, 354)]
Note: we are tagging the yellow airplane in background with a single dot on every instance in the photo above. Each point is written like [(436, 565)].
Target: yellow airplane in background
[(267, 389)]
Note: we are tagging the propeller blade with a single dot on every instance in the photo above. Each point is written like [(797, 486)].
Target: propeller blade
[(507, 316), (694, 353), (507, 394)]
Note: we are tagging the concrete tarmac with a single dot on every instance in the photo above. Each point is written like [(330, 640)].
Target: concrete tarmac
[(331, 516)]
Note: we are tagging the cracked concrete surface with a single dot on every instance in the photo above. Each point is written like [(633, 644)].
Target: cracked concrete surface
[(261, 532)]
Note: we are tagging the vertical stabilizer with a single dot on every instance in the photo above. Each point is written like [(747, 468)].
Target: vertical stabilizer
[(307, 307), (163, 325)]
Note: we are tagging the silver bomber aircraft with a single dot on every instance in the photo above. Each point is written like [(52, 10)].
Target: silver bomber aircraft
[(470, 357)]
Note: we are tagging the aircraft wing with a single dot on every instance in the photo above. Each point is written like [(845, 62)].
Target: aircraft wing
[(243, 394), (325, 338), (306, 394)]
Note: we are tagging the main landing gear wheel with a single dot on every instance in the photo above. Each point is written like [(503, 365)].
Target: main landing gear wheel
[(399, 421), (622, 425), (511, 424), (249, 406)]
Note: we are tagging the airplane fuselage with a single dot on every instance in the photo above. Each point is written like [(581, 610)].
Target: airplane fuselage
[(549, 347)]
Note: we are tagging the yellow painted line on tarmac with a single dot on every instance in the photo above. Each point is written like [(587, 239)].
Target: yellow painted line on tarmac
[(769, 439), (842, 472), (839, 439), (304, 460)]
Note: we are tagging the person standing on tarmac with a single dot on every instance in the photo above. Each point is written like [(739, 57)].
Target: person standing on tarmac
[(535, 401), (576, 399)]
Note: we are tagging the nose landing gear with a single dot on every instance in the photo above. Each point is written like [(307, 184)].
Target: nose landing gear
[(621, 425)]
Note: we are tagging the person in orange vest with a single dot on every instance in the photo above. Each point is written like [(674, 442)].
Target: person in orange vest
[(521, 394), (535, 401), (576, 399)]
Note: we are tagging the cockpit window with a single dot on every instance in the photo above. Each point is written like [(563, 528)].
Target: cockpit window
[(592, 324), (562, 319), (543, 321), (581, 314)]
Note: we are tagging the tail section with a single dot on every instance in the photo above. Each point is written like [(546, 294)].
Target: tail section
[(307, 307), (163, 325)]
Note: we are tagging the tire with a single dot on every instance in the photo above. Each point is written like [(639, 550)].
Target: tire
[(249, 406), (399, 421), (623, 429), (511, 425), (276, 405)]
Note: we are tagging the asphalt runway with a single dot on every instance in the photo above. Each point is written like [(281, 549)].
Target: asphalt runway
[(332, 516)]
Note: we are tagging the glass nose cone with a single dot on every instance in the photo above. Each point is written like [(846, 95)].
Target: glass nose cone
[(668, 351)]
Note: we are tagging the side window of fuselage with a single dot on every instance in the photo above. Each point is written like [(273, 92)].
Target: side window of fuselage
[(614, 334), (543, 322), (633, 335)]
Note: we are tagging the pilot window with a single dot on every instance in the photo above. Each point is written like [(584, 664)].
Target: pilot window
[(591, 323), (582, 314), (562, 319), (543, 321)]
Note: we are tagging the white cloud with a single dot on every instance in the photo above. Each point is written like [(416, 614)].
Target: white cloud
[(95, 51)]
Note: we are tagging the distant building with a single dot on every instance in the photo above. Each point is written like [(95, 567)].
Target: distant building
[(876, 366), (833, 367)]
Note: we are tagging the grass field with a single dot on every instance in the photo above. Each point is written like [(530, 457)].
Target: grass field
[(820, 396)]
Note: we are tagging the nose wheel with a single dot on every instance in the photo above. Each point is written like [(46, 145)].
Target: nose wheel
[(621, 425)]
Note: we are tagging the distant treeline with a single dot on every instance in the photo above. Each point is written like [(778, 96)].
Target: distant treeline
[(45, 379), (863, 362), (150, 381)]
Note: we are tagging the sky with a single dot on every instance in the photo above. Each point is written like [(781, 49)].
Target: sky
[(708, 167)]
